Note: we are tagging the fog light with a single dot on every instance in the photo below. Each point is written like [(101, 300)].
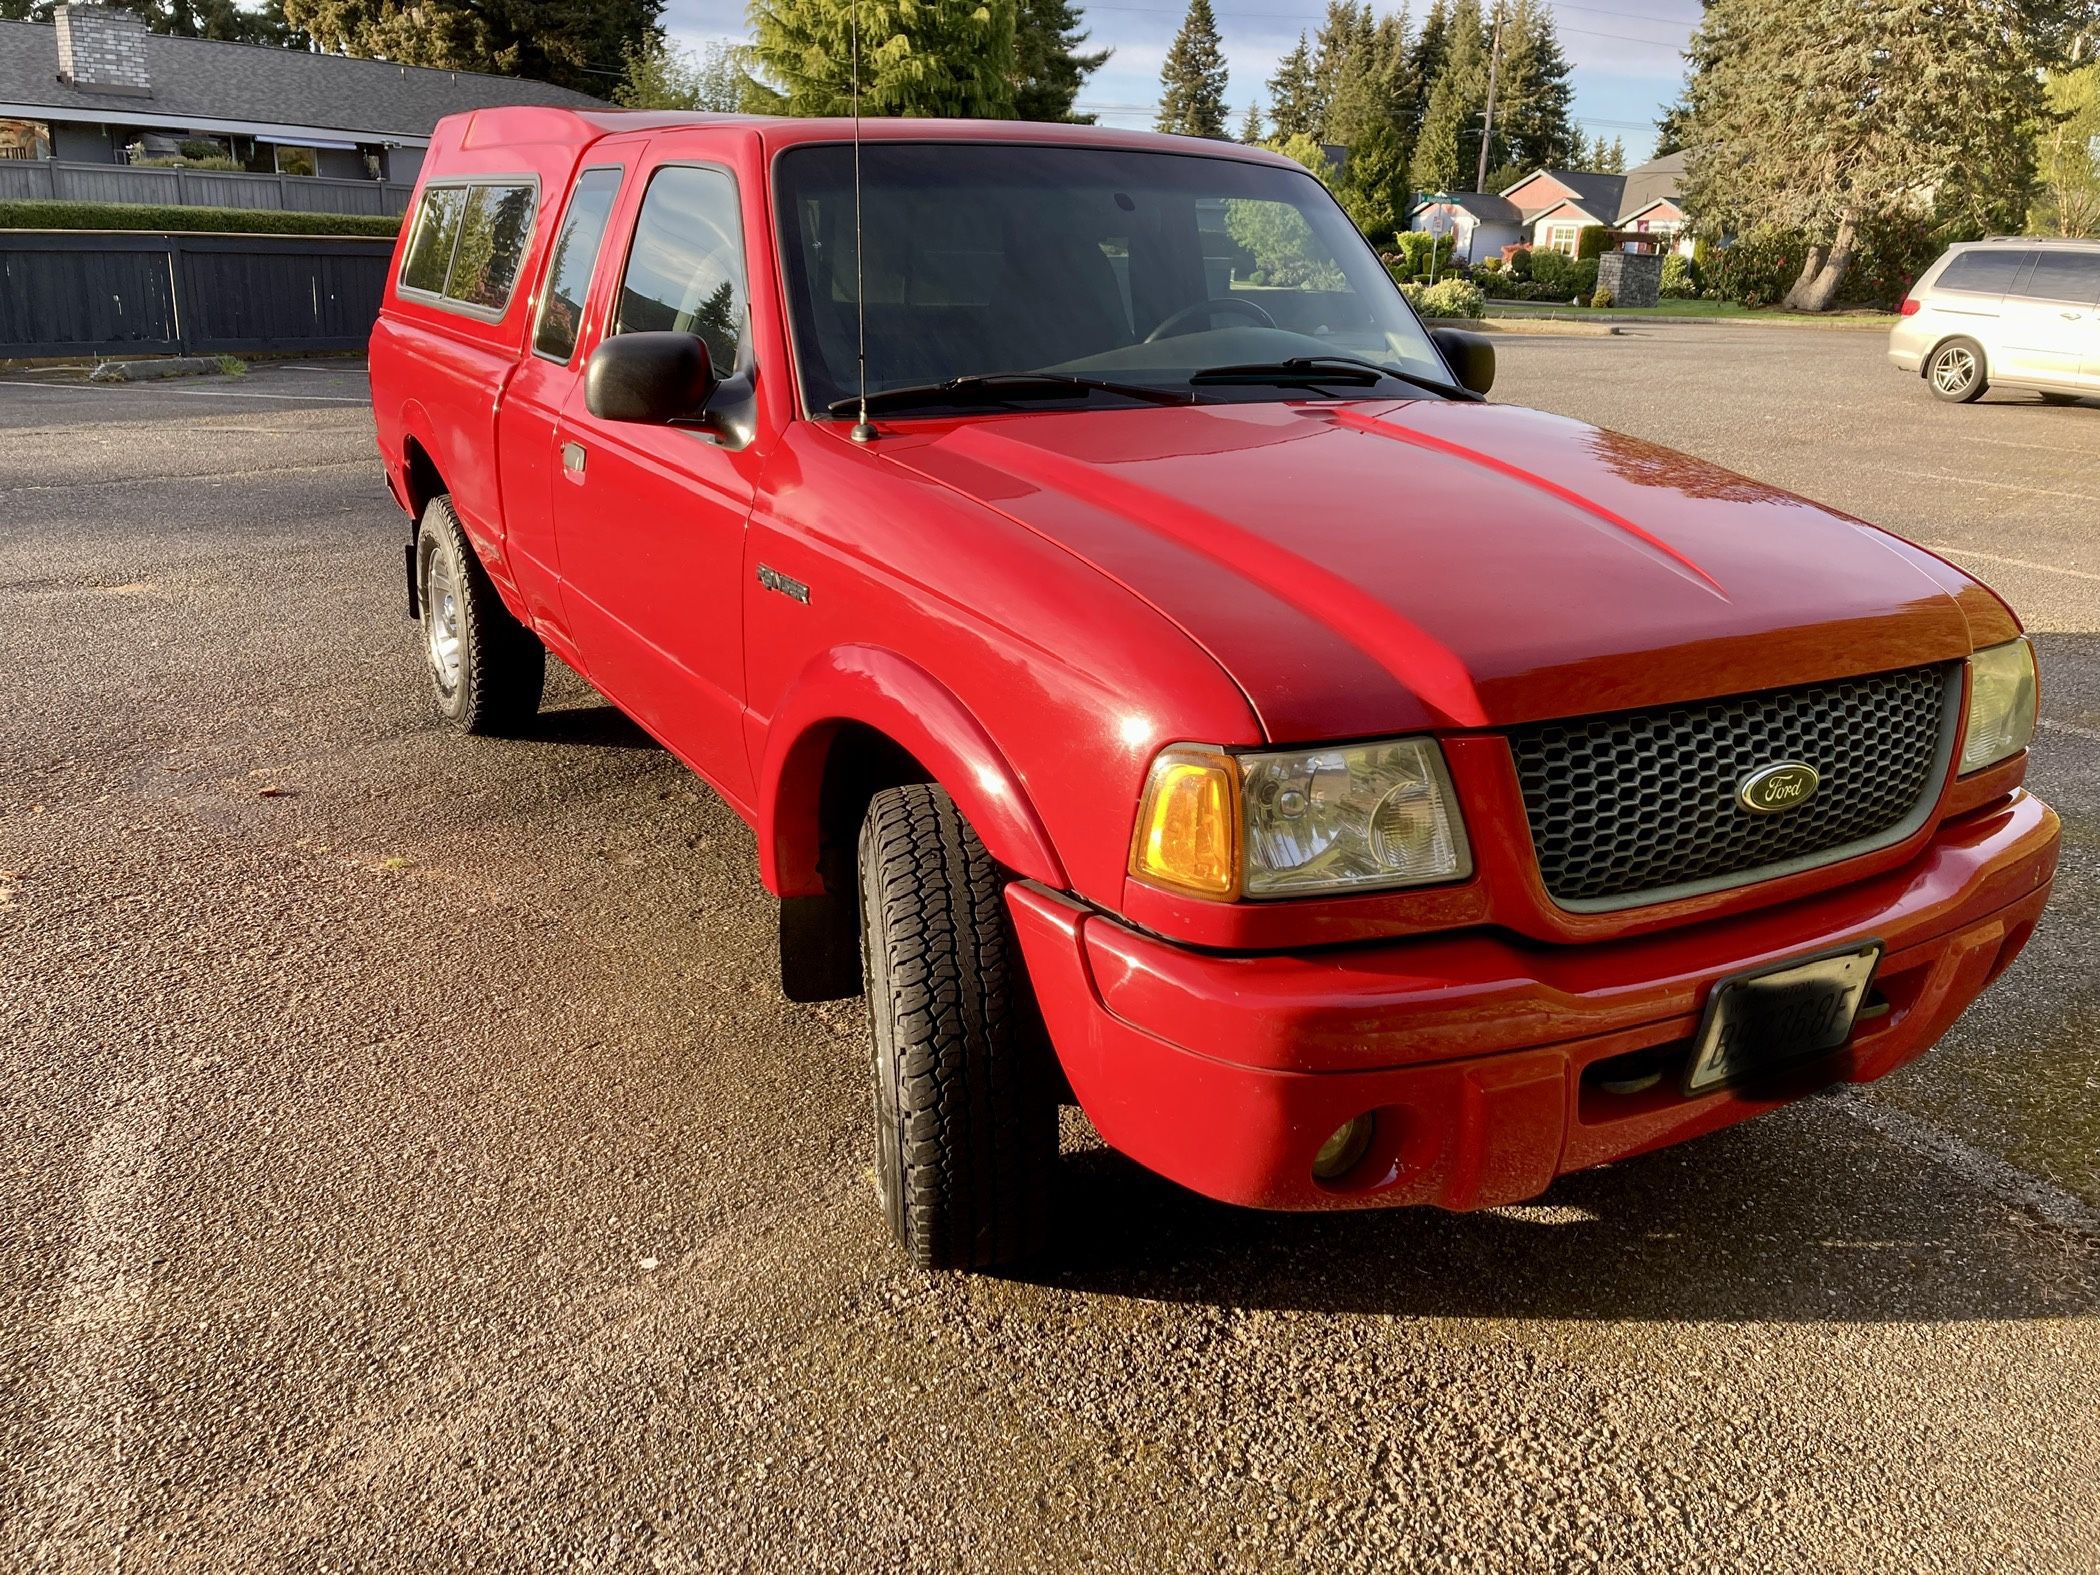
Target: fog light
[(1339, 1154)]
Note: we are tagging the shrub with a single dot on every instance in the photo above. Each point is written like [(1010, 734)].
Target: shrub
[(1447, 298), (1517, 259), (1680, 280), (1488, 265), (1582, 277), (1551, 269), (36, 214), (1601, 301), (1593, 241), (1420, 252), (184, 161)]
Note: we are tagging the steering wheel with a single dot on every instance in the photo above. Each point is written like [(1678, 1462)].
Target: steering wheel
[(1224, 303)]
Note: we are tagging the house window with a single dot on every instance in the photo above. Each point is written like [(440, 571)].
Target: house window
[(297, 161), (1563, 238), (24, 139)]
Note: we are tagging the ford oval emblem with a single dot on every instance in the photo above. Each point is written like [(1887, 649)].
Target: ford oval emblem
[(1775, 789)]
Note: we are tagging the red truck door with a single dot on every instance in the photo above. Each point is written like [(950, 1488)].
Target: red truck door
[(650, 520), (526, 446)]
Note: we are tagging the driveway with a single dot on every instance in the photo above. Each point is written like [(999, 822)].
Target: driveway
[(407, 1162)]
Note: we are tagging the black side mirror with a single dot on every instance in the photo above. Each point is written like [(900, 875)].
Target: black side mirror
[(656, 377), (1471, 357)]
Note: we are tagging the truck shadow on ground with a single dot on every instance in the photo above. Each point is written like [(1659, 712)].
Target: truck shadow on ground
[(1808, 1215), (592, 724)]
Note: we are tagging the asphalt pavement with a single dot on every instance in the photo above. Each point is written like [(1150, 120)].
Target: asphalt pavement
[(407, 1161)]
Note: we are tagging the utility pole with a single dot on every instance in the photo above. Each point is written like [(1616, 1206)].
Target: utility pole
[(1487, 128)]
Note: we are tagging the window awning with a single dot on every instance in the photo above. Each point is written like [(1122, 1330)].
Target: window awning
[(306, 142)]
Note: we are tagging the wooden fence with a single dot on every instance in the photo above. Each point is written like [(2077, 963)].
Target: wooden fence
[(119, 292), (62, 180)]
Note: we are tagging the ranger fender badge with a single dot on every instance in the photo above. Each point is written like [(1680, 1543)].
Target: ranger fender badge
[(773, 580)]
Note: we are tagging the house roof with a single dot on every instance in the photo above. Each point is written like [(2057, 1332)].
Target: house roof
[(198, 81), (1647, 184), (1485, 206), (1596, 193)]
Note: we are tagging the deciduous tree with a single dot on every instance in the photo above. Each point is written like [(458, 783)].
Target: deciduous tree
[(662, 75), (2067, 156)]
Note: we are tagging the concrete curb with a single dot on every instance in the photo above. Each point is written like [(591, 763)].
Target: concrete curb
[(1880, 324)]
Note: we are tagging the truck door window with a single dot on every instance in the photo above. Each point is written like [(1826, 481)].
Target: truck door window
[(685, 270), (575, 255)]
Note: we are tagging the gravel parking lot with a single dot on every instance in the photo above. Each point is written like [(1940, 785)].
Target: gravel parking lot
[(407, 1162)]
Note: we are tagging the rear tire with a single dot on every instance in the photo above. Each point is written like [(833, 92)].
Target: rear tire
[(965, 1105), (1956, 372), (486, 669)]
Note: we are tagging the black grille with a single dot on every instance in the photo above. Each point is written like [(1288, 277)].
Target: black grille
[(1622, 806)]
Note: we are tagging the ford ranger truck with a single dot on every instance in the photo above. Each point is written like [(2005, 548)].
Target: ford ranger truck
[(1158, 679)]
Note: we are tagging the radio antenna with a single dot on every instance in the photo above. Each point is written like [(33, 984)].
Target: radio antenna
[(862, 432)]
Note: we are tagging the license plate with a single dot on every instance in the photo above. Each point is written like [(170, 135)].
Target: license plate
[(1759, 1021)]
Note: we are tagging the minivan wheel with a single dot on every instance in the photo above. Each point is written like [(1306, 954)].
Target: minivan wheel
[(486, 669), (1956, 371), (965, 1106)]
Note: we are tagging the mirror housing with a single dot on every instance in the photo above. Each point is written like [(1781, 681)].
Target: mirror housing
[(1471, 357), (653, 377)]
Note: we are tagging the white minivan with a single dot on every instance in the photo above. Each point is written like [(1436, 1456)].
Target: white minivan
[(2017, 312)]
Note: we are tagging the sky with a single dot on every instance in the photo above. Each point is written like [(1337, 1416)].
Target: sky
[(1627, 54)]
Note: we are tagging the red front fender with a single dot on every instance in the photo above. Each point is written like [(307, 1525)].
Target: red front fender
[(881, 690)]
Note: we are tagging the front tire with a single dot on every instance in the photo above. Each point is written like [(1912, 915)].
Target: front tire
[(487, 670), (1956, 372), (965, 1107)]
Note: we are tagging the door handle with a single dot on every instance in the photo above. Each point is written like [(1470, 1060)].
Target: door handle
[(572, 457)]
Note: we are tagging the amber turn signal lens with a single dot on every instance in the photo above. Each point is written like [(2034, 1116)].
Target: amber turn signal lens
[(1188, 833)]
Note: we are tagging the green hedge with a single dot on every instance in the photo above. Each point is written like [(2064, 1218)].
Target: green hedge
[(39, 215)]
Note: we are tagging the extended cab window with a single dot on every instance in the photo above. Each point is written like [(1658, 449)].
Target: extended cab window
[(469, 243), (575, 256), (685, 270)]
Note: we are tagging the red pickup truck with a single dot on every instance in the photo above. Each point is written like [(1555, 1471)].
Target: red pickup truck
[(1159, 679)]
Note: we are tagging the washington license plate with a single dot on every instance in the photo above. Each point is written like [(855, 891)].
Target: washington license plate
[(1757, 1022)]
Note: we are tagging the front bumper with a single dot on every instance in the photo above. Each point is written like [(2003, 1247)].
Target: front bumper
[(1476, 1050)]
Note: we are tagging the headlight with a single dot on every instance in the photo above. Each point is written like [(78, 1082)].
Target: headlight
[(1357, 817), (2001, 704)]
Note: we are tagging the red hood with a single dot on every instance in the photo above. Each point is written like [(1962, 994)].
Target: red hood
[(1377, 566)]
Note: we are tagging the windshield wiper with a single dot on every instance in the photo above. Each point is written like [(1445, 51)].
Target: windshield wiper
[(1312, 371), (1005, 388)]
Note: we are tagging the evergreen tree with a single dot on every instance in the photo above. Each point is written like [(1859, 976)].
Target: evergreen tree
[(1250, 128), (1050, 66), (1192, 81), (1294, 94), (661, 75), (1606, 158), (2067, 201), (1447, 149), (1428, 60), (1395, 66), (1342, 64), (944, 58), (1672, 132), (567, 42), (1533, 126), (1827, 120)]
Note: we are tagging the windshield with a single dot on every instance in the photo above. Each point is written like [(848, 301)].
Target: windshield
[(1119, 267)]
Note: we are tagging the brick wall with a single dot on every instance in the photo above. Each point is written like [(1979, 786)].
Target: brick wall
[(103, 47)]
